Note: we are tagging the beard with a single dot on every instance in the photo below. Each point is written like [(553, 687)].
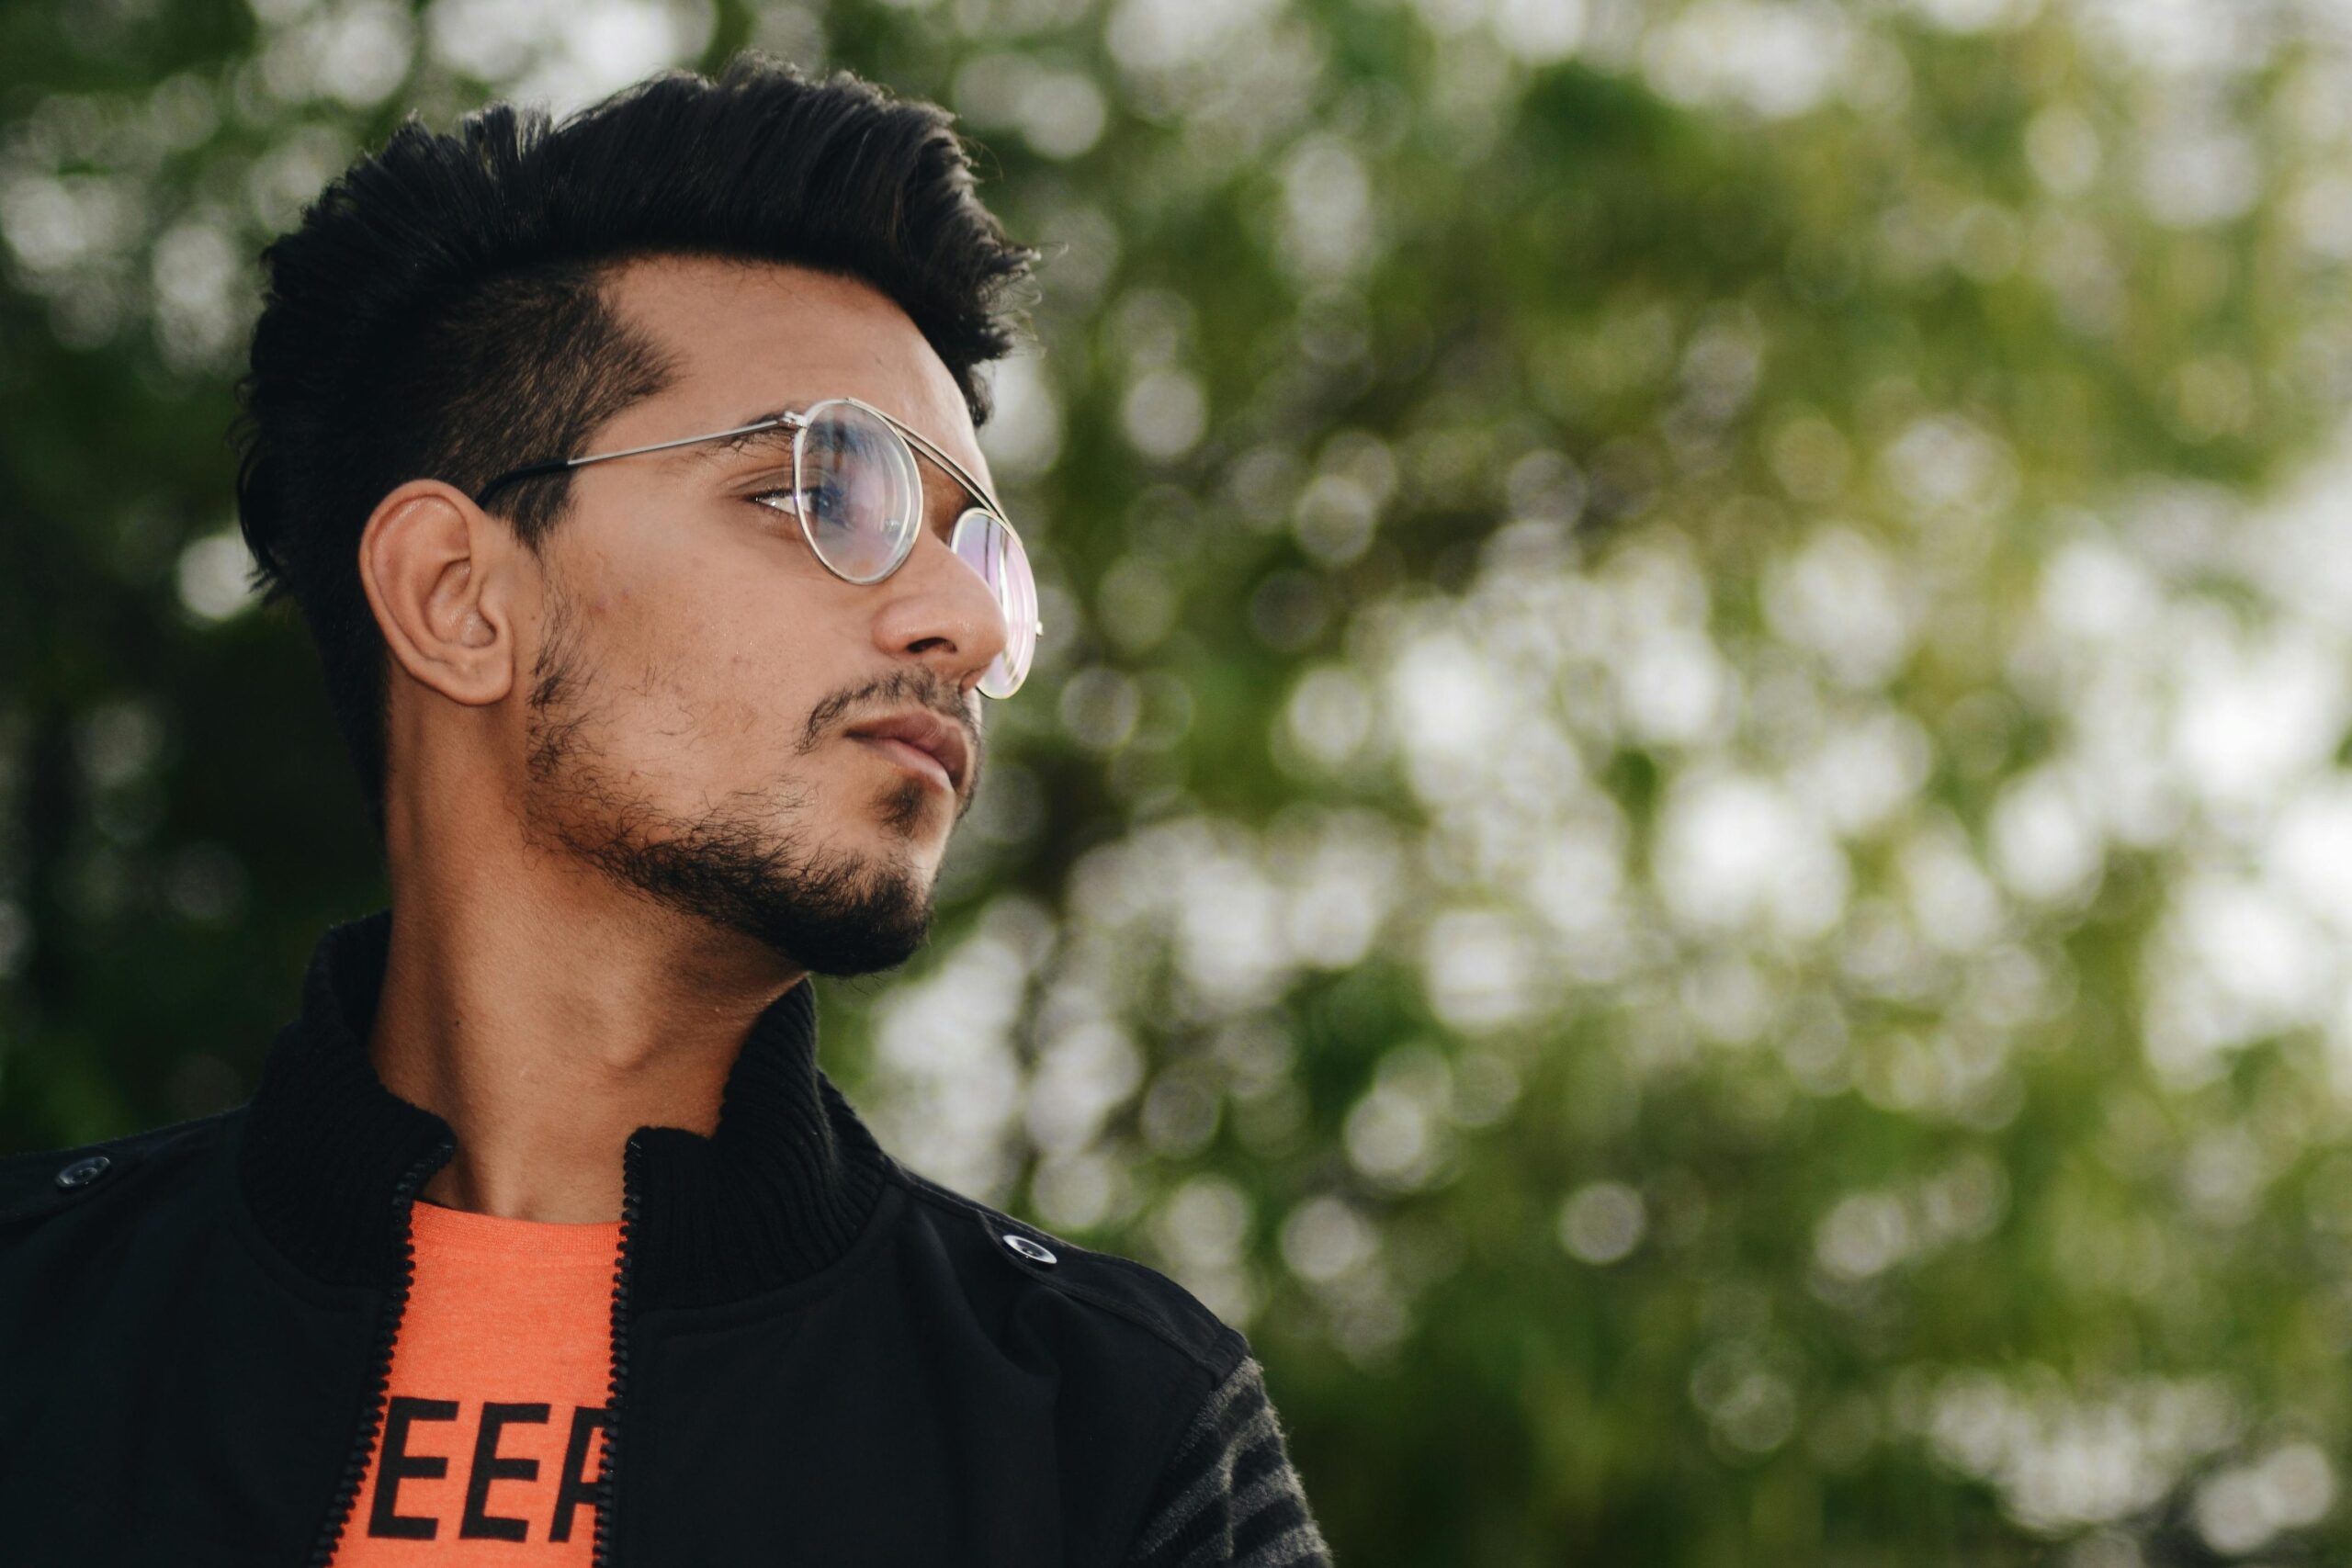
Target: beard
[(838, 913)]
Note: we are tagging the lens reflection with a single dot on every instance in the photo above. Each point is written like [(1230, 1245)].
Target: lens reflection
[(860, 495), (992, 549)]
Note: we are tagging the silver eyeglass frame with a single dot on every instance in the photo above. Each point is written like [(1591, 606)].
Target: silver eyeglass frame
[(799, 421)]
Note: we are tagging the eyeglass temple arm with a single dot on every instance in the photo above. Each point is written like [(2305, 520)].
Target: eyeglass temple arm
[(557, 465), (481, 497)]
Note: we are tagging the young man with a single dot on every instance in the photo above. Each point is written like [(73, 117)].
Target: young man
[(624, 473)]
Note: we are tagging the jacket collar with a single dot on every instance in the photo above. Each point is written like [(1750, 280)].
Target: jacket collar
[(784, 1188)]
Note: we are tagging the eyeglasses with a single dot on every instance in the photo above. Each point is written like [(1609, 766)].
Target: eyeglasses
[(858, 494)]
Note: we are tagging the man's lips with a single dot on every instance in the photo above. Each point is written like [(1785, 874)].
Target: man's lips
[(914, 757), (920, 731)]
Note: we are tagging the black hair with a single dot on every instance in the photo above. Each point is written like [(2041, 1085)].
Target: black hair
[(439, 312)]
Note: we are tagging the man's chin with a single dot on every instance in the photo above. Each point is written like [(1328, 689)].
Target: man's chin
[(881, 928), (832, 915)]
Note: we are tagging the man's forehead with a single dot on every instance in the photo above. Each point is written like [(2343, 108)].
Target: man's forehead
[(743, 338)]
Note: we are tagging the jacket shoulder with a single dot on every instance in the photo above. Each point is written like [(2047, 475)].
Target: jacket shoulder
[(39, 1183), (1103, 1282)]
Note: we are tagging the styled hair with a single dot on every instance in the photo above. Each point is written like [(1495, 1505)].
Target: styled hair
[(439, 312)]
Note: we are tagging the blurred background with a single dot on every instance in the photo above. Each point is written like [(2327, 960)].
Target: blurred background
[(1683, 829)]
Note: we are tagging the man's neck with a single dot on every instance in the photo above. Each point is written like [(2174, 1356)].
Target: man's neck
[(545, 1041)]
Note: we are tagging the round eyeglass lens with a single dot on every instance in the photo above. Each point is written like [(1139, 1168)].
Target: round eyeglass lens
[(984, 542), (861, 497)]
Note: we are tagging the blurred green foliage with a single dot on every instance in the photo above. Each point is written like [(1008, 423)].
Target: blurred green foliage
[(1682, 826)]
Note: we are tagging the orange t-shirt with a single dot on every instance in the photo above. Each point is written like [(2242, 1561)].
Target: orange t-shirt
[(493, 1424)]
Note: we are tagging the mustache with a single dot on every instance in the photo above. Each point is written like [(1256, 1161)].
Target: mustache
[(897, 692)]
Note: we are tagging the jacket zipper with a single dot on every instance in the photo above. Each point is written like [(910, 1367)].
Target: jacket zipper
[(619, 1382), (379, 1375), (620, 1359)]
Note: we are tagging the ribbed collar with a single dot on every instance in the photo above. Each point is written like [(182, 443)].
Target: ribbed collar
[(782, 1189)]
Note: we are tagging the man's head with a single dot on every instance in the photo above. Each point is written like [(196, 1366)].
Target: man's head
[(640, 666)]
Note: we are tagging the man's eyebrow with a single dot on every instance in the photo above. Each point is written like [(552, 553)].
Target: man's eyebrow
[(776, 434)]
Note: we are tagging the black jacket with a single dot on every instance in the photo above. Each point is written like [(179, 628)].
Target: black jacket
[(818, 1356)]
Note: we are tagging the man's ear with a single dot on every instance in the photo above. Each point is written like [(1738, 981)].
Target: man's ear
[(439, 573)]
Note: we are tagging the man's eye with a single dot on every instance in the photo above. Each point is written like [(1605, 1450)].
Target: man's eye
[(825, 502)]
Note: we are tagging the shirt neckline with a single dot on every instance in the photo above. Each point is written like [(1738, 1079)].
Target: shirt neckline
[(464, 1232)]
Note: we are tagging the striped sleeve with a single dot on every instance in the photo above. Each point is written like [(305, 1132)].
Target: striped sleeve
[(1229, 1495)]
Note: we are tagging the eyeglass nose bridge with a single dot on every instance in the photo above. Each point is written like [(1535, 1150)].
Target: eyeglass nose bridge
[(984, 502), (912, 442), (916, 441), (911, 472)]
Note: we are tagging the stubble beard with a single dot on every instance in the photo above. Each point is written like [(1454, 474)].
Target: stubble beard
[(838, 913)]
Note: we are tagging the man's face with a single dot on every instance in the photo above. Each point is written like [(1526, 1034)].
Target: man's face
[(699, 668)]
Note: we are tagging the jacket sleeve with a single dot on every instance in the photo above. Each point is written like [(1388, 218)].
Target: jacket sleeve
[(1229, 1495)]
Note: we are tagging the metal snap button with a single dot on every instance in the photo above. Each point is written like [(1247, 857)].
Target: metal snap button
[(1029, 1249), (84, 1171)]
